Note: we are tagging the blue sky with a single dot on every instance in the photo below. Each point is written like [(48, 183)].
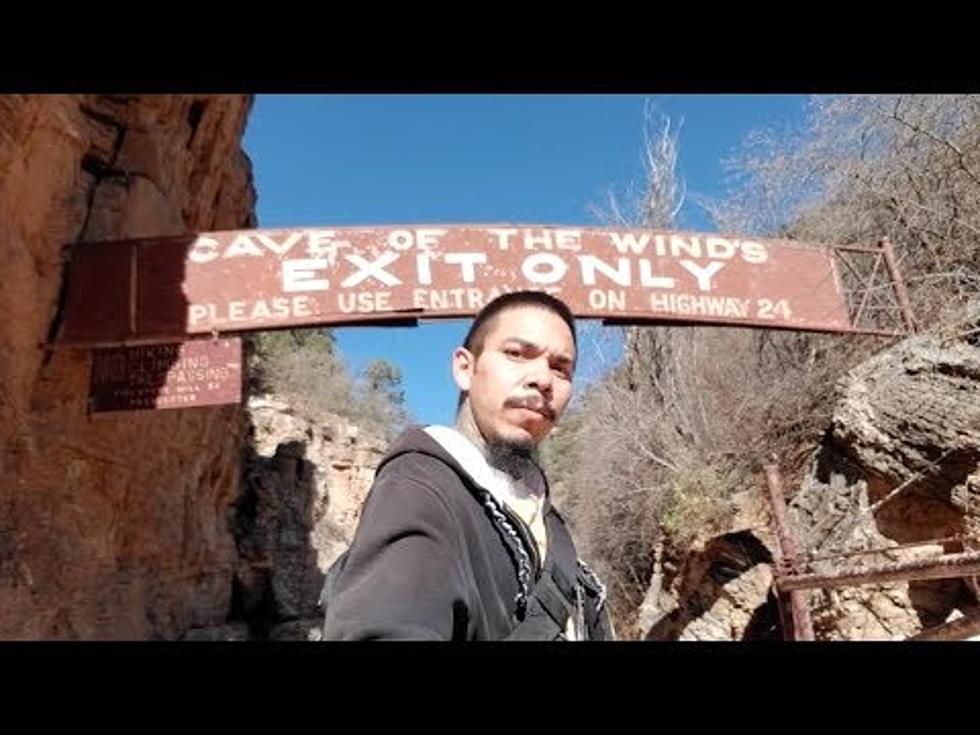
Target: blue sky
[(536, 159)]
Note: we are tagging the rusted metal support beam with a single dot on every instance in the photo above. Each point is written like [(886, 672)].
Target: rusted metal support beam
[(891, 263), (802, 625), (955, 630), (857, 249), (947, 566), (959, 538)]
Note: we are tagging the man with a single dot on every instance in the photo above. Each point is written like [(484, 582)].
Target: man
[(458, 539)]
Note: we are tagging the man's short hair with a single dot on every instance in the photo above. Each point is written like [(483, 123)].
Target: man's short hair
[(476, 337)]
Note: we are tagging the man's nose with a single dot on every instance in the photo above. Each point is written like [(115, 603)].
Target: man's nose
[(539, 376)]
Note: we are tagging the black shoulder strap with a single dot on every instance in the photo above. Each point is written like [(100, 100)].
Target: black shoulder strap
[(548, 611)]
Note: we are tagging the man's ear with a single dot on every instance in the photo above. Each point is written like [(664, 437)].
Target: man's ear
[(463, 366)]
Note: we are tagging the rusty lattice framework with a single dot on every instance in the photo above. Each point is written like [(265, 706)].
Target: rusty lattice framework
[(794, 574), (876, 297)]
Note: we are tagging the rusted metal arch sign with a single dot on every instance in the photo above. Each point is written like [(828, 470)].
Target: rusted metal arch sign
[(165, 290), (174, 288)]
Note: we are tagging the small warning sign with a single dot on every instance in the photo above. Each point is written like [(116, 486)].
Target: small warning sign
[(183, 375)]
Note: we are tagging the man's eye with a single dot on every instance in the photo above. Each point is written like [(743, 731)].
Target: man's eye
[(512, 352)]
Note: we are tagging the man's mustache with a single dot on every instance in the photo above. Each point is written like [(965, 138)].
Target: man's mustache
[(534, 404)]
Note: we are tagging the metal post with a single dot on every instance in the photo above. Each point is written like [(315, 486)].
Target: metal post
[(891, 263), (802, 623)]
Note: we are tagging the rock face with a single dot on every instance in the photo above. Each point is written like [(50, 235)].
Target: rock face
[(111, 525), (304, 483), (912, 405), (910, 418), (720, 589)]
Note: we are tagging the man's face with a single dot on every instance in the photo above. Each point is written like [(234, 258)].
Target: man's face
[(520, 384)]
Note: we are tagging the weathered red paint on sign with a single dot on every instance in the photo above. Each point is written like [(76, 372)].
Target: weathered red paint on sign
[(196, 373), (151, 290)]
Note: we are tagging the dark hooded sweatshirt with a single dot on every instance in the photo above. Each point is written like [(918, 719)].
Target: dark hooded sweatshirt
[(437, 557)]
